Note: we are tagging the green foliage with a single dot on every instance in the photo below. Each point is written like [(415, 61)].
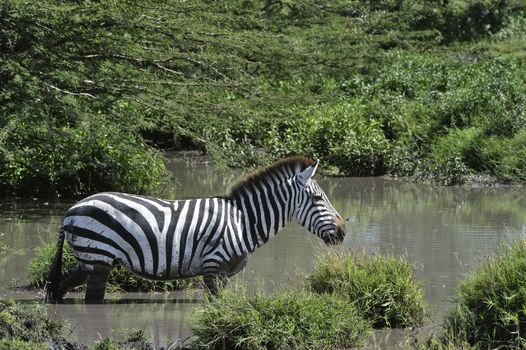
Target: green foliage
[(503, 157), (382, 288), (26, 324), (45, 161), (237, 319), (120, 279), (17, 344), (86, 88), (489, 310), (343, 135), (38, 267), (446, 161)]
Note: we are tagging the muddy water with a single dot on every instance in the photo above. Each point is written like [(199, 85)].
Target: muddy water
[(445, 231)]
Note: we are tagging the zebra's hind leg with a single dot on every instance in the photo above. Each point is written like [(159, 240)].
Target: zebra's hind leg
[(72, 278), (96, 284)]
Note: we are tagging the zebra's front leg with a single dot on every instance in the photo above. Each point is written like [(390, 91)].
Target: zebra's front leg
[(96, 284), (215, 281), (217, 278)]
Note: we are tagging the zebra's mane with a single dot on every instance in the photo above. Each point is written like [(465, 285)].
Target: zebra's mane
[(280, 168)]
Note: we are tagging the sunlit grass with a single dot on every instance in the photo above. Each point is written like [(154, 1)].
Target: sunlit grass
[(490, 305), (289, 319), (382, 287)]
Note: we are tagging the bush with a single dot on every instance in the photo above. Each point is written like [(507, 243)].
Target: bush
[(298, 319), (42, 160), (382, 288), (489, 310), (342, 135), (120, 279)]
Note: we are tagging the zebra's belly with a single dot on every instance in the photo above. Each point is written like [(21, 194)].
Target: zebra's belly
[(100, 249)]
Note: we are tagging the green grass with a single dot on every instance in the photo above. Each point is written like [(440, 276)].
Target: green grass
[(490, 305), (120, 280), (289, 319), (382, 288)]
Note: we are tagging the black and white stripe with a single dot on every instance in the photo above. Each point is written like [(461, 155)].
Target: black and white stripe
[(160, 239)]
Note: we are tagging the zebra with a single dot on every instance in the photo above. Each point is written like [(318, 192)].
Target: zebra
[(171, 239)]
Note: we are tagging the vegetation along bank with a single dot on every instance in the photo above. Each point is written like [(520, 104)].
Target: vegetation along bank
[(90, 92)]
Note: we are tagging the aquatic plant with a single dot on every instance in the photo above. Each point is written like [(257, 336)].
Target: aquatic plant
[(382, 288), (287, 319), (490, 304), (120, 280)]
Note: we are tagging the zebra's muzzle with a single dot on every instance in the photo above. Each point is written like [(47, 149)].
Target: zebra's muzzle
[(335, 236)]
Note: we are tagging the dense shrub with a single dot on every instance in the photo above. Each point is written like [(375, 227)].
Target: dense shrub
[(238, 320), (46, 161), (342, 135), (120, 280), (489, 306), (382, 288)]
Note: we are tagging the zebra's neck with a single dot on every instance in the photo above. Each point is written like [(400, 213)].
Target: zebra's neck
[(264, 211)]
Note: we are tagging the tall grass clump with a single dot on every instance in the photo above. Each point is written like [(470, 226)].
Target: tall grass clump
[(120, 279), (382, 287), (284, 320), (490, 310)]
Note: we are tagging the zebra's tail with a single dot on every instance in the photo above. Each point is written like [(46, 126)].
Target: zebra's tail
[(55, 271)]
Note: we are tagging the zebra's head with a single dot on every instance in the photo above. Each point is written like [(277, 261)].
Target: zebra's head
[(313, 209)]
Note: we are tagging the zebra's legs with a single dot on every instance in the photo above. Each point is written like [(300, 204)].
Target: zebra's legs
[(74, 277), (216, 276), (215, 281), (96, 284)]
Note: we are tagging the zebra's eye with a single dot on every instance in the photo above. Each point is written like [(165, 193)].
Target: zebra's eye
[(317, 197)]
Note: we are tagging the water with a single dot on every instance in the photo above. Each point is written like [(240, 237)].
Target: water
[(445, 231)]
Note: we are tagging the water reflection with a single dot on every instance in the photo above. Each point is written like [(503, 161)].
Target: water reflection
[(445, 231)]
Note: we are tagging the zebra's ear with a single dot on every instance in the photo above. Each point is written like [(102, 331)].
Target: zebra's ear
[(306, 174)]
